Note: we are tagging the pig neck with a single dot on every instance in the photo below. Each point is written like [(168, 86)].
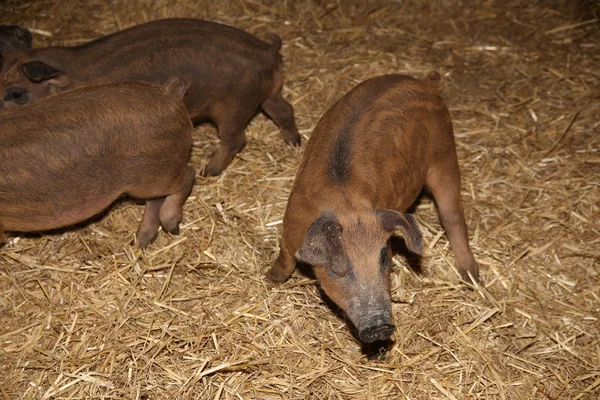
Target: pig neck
[(82, 65), (66, 59)]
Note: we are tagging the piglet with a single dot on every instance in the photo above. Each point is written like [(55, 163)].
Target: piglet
[(231, 73), (66, 158), (366, 162)]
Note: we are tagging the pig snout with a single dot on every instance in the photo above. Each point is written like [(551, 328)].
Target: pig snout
[(370, 311), (376, 327)]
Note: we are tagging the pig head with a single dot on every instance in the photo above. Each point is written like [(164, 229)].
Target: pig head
[(23, 76), (350, 254)]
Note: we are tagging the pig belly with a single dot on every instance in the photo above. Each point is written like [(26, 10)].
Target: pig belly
[(29, 217)]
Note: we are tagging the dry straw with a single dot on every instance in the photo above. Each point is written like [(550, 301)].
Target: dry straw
[(86, 316)]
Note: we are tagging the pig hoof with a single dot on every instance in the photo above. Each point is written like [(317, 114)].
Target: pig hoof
[(274, 277), (295, 141), (210, 171), (174, 230), (143, 239), (473, 268)]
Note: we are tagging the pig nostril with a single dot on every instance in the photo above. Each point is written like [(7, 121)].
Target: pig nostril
[(375, 333)]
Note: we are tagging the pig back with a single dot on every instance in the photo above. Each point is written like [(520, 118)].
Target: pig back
[(374, 143), (84, 148), (218, 60)]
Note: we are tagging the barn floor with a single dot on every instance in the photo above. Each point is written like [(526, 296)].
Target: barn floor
[(84, 315)]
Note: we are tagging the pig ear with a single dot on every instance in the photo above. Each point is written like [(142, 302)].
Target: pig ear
[(38, 71), (323, 245), (15, 37), (394, 221)]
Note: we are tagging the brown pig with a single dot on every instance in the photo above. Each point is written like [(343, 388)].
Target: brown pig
[(66, 158), (231, 73), (366, 162)]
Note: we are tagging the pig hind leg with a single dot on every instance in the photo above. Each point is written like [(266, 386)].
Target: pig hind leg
[(282, 114), (171, 211), (443, 180), (148, 229), (231, 124)]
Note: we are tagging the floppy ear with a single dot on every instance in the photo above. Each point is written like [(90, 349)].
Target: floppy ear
[(393, 221), (323, 245), (16, 37), (38, 71)]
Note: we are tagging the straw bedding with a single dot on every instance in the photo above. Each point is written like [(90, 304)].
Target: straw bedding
[(84, 315)]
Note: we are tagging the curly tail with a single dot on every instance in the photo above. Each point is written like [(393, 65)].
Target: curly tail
[(274, 41), (176, 86)]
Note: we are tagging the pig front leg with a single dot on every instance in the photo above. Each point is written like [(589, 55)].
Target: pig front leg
[(171, 211), (282, 114), (283, 267), (1, 234)]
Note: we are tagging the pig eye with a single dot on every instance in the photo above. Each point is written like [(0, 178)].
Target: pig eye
[(384, 259), (18, 95)]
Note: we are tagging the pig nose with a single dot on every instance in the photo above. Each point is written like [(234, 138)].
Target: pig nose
[(378, 328)]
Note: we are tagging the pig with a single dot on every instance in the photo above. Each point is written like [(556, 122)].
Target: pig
[(230, 72), (67, 157), (365, 164)]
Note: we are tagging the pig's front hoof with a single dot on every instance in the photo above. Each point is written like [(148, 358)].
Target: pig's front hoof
[(171, 226), (144, 239), (274, 277), (294, 140), (210, 171), (472, 268)]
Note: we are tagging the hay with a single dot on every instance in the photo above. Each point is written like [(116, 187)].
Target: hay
[(85, 315)]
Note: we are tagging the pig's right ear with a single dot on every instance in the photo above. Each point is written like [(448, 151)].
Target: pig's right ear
[(393, 221), (15, 37), (323, 245), (38, 71)]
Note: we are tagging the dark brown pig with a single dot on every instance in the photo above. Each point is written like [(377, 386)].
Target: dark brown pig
[(366, 162), (231, 73), (66, 158)]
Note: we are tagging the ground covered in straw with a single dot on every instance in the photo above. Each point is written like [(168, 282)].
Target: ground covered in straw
[(84, 315)]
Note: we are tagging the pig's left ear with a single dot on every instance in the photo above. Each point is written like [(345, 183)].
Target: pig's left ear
[(323, 245), (38, 71), (393, 221)]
